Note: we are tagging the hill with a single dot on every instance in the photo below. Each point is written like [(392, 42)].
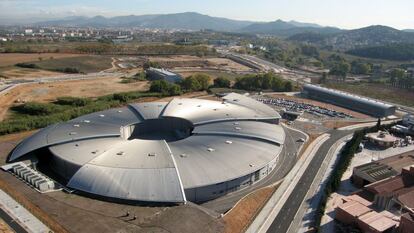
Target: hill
[(286, 29), (359, 38), (187, 20), (397, 52)]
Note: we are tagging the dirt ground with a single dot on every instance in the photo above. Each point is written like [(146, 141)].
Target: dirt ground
[(29, 74), (9, 59), (46, 92), (321, 104), (4, 228), (238, 219), (193, 61)]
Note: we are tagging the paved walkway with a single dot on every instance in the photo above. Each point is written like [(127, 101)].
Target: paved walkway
[(272, 208), (306, 213), (22, 216)]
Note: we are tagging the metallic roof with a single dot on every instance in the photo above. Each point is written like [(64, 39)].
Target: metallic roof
[(229, 139), (342, 94)]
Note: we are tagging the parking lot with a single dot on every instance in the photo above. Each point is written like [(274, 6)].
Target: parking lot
[(294, 106)]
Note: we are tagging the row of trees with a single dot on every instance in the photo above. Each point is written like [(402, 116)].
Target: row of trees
[(400, 79), (259, 82), (196, 82)]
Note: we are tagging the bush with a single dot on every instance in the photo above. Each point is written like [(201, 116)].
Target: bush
[(164, 87), (36, 109), (69, 70), (258, 82), (27, 65), (73, 101), (222, 82), (197, 82)]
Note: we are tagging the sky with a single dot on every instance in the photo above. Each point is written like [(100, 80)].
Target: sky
[(347, 14)]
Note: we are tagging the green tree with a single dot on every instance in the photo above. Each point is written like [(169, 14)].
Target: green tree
[(222, 82), (174, 89), (324, 78), (160, 86), (340, 69)]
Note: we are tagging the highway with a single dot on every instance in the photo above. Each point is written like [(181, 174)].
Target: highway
[(287, 213), (287, 159)]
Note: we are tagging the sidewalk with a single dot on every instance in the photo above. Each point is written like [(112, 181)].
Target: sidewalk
[(306, 212), (21, 215), (265, 218)]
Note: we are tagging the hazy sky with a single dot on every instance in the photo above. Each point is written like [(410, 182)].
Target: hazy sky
[(340, 13)]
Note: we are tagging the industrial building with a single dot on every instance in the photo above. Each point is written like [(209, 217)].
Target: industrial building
[(360, 104), (382, 139), (185, 149), (381, 169), (384, 206), (162, 74)]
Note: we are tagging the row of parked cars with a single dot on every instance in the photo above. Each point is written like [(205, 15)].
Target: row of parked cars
[(294, 106)]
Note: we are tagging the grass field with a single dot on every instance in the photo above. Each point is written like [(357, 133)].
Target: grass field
[(85, 64), (10, 59), (378, 91)]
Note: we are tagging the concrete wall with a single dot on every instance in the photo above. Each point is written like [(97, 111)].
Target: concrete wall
[(206, 193)]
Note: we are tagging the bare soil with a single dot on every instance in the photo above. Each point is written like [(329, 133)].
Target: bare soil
[(239, 218), (29, 74), (9, 59), (46, 92)]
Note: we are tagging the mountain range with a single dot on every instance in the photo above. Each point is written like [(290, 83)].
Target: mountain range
[(189, 21), (330, 37)]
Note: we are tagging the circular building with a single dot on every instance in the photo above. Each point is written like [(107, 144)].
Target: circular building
[(185, 149)]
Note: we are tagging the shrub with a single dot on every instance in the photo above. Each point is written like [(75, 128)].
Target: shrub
[(73, 101), (27, 65), (222, 82), (33, 108)]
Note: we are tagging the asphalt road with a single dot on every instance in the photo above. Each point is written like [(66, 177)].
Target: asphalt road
[(287, 159), (286, 215), (11, 222)]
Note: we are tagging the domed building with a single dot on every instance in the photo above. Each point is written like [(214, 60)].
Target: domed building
[(170, 152)]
